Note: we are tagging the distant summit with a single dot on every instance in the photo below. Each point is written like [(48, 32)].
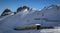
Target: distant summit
[(6, 12), (53, 6), (24, 8)]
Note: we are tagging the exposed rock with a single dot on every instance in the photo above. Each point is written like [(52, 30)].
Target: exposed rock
[(6, 12), (22, 8)]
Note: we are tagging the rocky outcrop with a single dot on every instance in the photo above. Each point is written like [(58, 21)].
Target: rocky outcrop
[(6, 12), (22, 8)]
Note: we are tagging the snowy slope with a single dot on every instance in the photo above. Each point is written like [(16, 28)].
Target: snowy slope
[(44, 17), (52, 14)]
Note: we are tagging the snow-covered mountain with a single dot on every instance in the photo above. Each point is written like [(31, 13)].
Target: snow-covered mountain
[(52, 14), (7, 12), (23, 8), (48, 16)]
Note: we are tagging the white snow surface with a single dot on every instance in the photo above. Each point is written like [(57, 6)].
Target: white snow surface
[(45, 17)]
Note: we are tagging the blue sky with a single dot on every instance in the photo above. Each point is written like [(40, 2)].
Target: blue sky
[(14, 4)]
